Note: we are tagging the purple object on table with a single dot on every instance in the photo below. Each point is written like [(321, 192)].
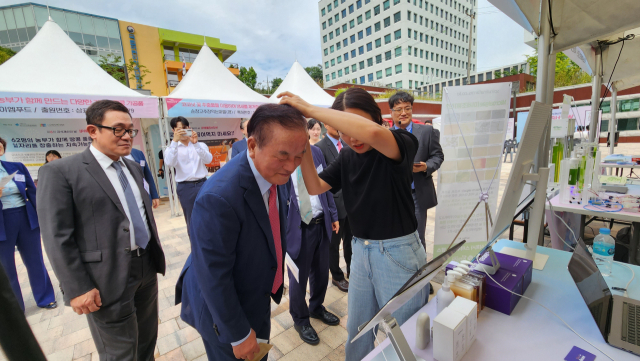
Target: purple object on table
[(578, 354)]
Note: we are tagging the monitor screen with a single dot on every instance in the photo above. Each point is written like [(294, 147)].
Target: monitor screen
[(592, 286)]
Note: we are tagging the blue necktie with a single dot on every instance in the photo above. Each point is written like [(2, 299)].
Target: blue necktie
[(141, 235)]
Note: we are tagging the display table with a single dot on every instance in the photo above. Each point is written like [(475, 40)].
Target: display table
[(617, 166), (623, 215), (531, 332)]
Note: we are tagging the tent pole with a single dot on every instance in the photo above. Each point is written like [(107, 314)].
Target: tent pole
[(595, 96), (613, 122), (542, 76)]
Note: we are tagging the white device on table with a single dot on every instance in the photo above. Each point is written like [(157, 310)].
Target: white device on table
[(534, 130), (617, 317)]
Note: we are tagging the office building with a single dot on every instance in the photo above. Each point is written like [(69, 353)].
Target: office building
[(435, 86), (161, 51), (396, 43)]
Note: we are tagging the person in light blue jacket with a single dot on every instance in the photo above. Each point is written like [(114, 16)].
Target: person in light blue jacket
[(19, 227)]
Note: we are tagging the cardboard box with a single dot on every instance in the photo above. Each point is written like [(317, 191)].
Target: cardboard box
[(449, 332), (469, 310), (498, 298), (522, 267)]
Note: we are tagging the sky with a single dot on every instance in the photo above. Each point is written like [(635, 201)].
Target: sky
[(271, 34)]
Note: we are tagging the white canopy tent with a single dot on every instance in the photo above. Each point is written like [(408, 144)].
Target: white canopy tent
[(300, 83), (575, 22), (49, 84), (214, 101)]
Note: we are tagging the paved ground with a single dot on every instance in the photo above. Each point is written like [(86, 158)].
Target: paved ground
[(65, 336)]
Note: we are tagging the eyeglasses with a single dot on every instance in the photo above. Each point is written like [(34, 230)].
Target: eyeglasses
[(406, 110), (119, 132)]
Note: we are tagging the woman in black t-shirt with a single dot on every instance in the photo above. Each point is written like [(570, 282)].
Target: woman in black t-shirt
[(375, 175)]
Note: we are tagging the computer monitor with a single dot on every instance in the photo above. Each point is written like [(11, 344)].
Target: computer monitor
[(533, 133), (592, 286)]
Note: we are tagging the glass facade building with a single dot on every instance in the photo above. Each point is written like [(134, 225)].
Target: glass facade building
[(95, 35)]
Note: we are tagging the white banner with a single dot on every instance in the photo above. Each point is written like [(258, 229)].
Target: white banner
[(28, 140), (577, 55), (67, 106), (474, 122)]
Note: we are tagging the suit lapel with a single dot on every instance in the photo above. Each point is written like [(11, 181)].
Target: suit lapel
[(10, 168), (96, 171), (332, 148), (138, 178), (253, 197)]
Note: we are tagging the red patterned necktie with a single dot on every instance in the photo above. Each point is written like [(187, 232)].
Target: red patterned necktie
[(339, 146), (274, 220)]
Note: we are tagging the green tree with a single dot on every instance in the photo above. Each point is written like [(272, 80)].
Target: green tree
[(275, 83), (6, 54), (315, 72), (109, 64), (567, 71), (131, 69), (248, 76), (497, 74), (340, 91)]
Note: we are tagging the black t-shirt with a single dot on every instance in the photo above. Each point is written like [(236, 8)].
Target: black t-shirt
[(377, 189)]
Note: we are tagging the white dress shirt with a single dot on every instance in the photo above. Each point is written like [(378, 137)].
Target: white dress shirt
[(107, 165), (316, 206), (264, 186), (188, 160)]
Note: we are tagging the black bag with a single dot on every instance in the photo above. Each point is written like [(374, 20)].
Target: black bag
[(623, 238)]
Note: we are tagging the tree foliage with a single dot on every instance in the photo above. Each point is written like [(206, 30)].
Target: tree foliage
[(6, 54), (131, 68), (109, 64), (248, 76), (275, 83), (315, 72), (567, 71)]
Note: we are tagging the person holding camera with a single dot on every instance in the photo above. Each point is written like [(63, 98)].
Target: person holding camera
[(189, 158)]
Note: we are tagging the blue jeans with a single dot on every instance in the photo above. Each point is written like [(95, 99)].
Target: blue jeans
[(378, 270)]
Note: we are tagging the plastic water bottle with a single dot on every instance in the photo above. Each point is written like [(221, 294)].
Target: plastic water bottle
[(604, 247)]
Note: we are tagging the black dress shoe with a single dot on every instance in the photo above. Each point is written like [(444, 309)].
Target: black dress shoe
[(51, 306), (307, 334), (342, 285), (326, 317)]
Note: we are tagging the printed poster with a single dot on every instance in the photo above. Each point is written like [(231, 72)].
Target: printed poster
[(28, 140), (475, 115), (218, 134)]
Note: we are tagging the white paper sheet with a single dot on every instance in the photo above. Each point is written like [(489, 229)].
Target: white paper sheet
[(292, 267), (7, 179)]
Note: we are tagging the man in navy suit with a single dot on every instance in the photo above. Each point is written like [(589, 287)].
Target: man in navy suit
[(241, 145), (311, 222), (238, 229), (149, 183)]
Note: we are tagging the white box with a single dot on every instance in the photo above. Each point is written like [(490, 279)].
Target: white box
[(469, 309), (449, 331)]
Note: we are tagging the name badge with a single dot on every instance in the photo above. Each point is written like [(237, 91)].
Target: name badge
[(146, 186), (142, 163), (319, 169), (19, 178)]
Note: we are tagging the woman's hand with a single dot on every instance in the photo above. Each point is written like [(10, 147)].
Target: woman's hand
[(296, 102)]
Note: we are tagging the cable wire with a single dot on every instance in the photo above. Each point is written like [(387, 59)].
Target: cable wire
[(600, 44), (546, 308)]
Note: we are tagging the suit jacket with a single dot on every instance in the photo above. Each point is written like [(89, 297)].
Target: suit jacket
[(238, 147), (138, 155), (85, 229), (28, 191), (330, 154), (430, 152), (233, 262), (294, 229)]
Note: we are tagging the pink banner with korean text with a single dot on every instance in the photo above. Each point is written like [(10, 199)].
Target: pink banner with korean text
[(67, 106), (197, 108)]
